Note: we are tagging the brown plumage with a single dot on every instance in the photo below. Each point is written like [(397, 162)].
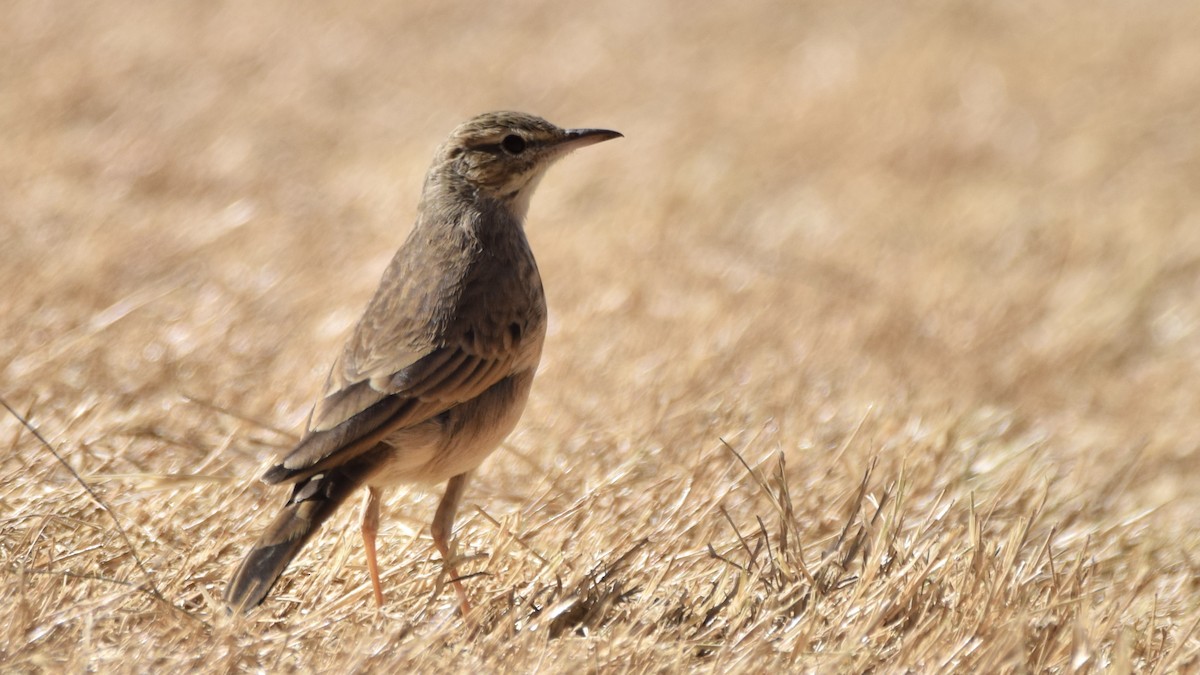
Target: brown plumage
[(440, 365)]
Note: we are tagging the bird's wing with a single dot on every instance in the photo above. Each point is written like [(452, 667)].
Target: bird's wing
[(391, 379)]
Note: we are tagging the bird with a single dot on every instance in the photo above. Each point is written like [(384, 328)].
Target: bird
[(437, 371)]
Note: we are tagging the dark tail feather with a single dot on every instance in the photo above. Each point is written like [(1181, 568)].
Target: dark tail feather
[(311, 503)]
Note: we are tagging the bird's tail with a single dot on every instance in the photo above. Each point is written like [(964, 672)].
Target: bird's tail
[(311, 503)]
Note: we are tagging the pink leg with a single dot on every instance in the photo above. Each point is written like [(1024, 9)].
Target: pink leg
[(443, 527), (370, 528)]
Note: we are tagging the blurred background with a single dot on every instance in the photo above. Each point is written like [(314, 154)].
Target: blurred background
[(954, 204), (984, 212)]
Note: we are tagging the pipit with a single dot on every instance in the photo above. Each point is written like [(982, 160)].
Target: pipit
[(438, 369)]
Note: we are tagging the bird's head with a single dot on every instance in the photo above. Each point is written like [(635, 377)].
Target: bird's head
[(503, 155)]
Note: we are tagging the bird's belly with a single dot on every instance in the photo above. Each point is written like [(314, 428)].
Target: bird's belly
[(456, 441)]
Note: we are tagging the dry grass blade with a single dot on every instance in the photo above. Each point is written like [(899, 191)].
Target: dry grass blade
[(150, 587)]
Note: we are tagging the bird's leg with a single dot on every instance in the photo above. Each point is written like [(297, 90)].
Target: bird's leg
[(443, 527), (370, 527)]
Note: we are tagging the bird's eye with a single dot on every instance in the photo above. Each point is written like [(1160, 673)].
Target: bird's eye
[(513, 144)]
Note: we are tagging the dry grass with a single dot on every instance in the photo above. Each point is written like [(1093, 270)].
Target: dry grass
[(931, 271)]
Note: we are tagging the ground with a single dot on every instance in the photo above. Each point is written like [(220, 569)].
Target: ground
[(873, 347)]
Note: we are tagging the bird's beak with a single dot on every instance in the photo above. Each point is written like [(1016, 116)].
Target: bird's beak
[(578, 138)]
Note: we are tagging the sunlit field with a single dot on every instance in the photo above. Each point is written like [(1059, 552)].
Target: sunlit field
[(874, 345)]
